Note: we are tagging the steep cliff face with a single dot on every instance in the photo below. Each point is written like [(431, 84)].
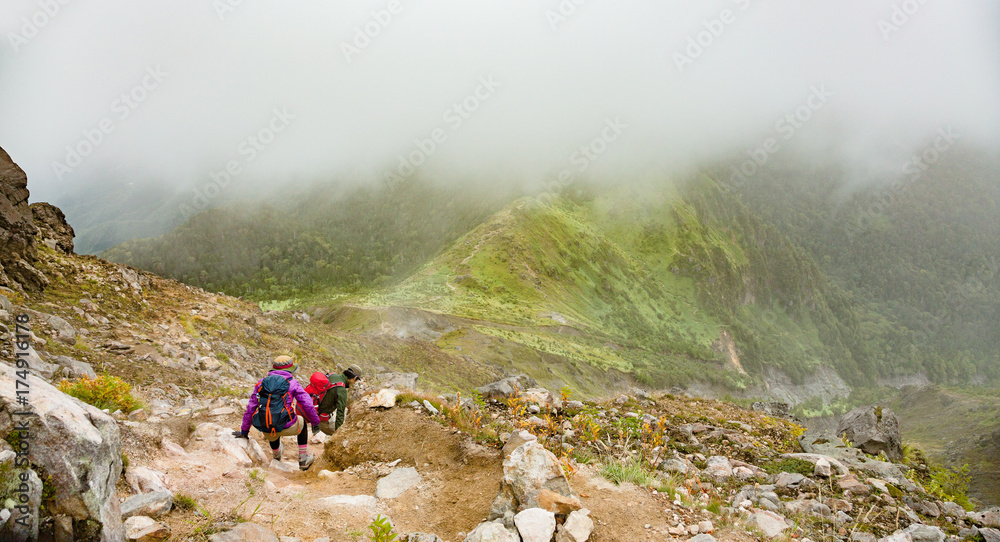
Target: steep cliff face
[(17, 230), (53, 230)]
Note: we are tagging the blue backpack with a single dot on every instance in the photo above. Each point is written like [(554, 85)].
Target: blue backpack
[(272, 415)]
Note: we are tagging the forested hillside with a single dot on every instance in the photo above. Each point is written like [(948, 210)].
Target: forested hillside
[(919, 257), (327, 237)]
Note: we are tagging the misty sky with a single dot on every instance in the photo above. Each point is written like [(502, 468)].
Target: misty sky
[(173, 90)]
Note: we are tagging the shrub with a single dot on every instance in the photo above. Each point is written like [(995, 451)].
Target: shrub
[(104, 392)]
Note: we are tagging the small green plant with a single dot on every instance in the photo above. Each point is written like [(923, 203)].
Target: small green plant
[(381, 530), (355, 534), (185, 502), (622, 471), (104, 392)]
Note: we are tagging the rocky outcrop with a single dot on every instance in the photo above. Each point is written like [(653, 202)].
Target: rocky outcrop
[(53, 229), (74, 446), (18, 251), (873, 429)]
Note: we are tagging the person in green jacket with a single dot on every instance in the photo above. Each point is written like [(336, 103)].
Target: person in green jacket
[(329, 394)]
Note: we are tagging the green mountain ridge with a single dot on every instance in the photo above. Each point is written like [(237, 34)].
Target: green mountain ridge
[(670, 283)]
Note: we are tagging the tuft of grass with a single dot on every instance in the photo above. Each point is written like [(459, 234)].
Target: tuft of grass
[(104, 392), (622, 471), (185, 502)]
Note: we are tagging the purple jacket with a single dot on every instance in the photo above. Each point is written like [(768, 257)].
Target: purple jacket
[(295, 391)]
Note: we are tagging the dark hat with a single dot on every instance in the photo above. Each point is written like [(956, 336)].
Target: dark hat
[(352, 371)]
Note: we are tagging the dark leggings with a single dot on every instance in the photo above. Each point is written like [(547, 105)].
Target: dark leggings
[(303, 438)]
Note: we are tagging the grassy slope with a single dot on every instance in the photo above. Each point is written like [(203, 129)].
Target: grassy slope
[(956, 426), (598, 283)]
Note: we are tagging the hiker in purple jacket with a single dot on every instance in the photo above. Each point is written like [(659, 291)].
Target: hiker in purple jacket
[(284, 366)]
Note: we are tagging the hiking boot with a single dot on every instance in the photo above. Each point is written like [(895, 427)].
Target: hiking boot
[(306, 461), (281, 449)]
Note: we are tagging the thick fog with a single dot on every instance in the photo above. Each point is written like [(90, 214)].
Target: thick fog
[(518, 91)]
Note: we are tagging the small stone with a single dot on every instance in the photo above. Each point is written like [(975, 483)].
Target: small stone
[(535, 525), (153, 504), (706, 526), (282, 466), (397, 483), (385, 398), (769, 523), (430, 408), (823, 468), (577, 528)]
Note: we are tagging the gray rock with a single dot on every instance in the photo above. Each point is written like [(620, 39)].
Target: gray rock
[(18, 243), (79, 447), (718, 468), (52, 226), (986, 518), (145, 480), (532, 478), (702, 538), (674, 465), (491, 532), (577, 527), (515, 440), (397, 483), (535, 525), (420, 537), (282, 466), (430, 408), (990, 535), (399, 381), (506, 387), (769, 523), (873, 429), (789, 479), (5, 304), (245, 532), (952, 510), (76, 368), (916, 533), (153, 504)]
